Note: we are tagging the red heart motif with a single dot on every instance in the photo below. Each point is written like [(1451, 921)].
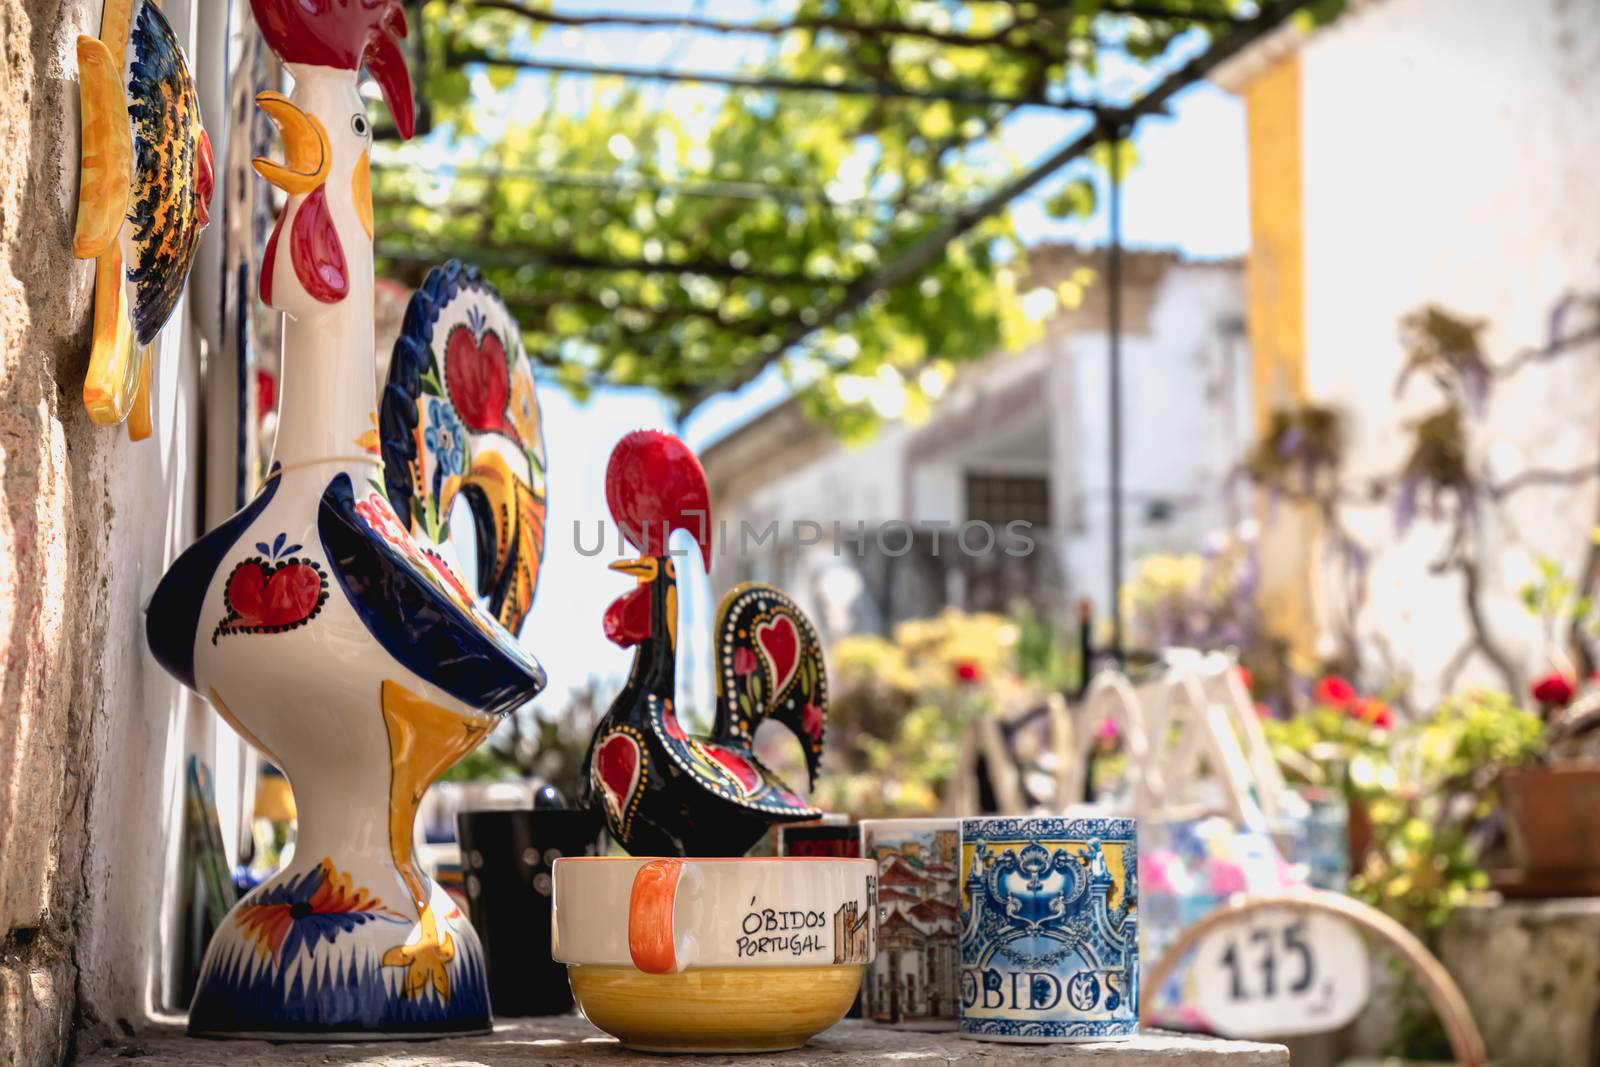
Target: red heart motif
[(616, 765), (780, 643), (737, 766), (258, 598), (478, 378)]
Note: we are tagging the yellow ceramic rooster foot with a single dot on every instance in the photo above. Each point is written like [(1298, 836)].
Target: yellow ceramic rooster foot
[(426, 960), (424, 740)]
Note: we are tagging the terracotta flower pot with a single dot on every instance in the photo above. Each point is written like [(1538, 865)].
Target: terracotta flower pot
[(1360, 833), (1553, 817)]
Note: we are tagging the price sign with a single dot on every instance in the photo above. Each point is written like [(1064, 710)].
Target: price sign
[(1281, 973)]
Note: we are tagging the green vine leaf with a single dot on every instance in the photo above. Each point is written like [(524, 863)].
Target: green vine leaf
[(682, 239)]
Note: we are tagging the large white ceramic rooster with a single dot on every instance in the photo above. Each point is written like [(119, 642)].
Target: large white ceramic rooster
[(349, 653)]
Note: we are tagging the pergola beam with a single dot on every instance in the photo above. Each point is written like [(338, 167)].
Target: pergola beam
[(800, 24), (514, 256), (1161, 11), (846, 25), (972, 98), (759, 192), (1146, 10), (538, 303)]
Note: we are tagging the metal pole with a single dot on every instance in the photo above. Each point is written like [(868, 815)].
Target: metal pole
[(1114, 398)]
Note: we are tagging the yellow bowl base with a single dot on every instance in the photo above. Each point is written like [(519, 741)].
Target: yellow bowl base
[(715, 1009)]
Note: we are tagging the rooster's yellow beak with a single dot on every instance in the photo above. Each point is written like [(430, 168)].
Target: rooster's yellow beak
[(305, 146), (642, 569)]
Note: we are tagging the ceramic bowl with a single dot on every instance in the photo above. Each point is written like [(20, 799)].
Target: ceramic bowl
[(726, 955)]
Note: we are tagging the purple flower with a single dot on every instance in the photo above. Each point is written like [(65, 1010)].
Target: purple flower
[(1405, 506)]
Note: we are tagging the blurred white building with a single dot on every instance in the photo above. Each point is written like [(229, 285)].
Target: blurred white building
[(1014, 438)]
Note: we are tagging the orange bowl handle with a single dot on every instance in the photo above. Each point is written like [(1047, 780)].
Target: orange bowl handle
[(651, 938)]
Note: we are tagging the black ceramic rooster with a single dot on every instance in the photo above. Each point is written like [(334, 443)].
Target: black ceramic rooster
[(662, 791)]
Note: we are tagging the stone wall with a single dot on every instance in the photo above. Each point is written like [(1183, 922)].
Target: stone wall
[(55, 509), (1530, 971), (91, 737)]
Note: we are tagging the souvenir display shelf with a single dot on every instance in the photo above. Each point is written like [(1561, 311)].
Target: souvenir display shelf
[(569, 1040)]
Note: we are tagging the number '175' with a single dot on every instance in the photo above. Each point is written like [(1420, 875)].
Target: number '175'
[(1267, 962)]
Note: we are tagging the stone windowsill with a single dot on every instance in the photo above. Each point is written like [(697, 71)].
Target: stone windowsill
[(572, 1041)]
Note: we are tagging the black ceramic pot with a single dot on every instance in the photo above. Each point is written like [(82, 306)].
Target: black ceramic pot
[(506, 858)]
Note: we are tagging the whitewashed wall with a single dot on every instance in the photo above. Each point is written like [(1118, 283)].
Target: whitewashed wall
[(1452, 156), (1043, 411), (1186, 422), (131, 929)]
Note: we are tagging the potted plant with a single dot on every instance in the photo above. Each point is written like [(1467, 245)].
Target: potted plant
[(1552, 798), (1424, 794)]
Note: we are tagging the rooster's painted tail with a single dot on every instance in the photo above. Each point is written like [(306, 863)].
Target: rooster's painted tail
[(769, 666)]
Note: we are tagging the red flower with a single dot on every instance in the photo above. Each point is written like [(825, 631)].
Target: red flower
[(1554, 690), (744, 662), (968, 672), (1246, 679), (811, 720), (1262, 711), (1335, 692), (1373, 711)]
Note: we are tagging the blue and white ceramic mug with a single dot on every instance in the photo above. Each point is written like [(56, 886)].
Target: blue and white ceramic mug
[(1049, 929)]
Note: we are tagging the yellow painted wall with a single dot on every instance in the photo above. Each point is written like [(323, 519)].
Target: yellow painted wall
[(1275, 292), (1275, 268)]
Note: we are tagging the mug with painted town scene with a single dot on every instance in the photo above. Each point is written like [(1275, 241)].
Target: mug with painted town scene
[(912, 984)]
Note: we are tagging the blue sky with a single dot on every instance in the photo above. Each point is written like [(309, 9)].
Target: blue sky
[(1188, 192)]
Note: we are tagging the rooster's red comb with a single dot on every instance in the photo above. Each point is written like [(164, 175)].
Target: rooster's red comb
[(348, 34), (655, 485)]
